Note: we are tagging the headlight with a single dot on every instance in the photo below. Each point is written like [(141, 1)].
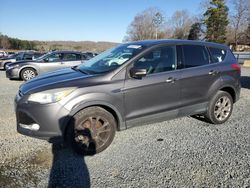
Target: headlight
[(50, 96)]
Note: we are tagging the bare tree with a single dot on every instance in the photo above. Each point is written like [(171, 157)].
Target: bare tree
[(239, 18), (181, 22), (144, 26)]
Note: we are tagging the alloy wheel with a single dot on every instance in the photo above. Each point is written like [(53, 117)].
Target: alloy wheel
[(222, 108)]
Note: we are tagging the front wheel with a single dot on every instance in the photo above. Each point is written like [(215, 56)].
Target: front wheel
[(28, 74), (220, 108), (91, 131)]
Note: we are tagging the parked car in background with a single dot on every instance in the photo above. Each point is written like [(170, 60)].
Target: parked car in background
[(86, 56), (21, 56), (51, 61), (90, 54), (3, 54), (8, 59), (10, 53), (120, 59), (162, 79), (242, 56)]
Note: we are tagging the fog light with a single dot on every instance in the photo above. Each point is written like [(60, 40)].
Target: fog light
[(33, 127)]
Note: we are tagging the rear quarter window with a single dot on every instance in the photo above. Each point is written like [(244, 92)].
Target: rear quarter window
[(218, 54)]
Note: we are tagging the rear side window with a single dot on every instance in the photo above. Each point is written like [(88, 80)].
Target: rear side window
[(218, 55), (195, 56)]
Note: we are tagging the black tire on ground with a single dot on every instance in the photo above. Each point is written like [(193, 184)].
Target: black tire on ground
[(28, 73), (91, 131), (220, 108)]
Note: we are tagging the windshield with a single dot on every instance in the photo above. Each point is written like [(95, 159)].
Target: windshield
[(111, 59)]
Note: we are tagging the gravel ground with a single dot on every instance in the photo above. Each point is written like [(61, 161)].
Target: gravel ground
[(183, 152)]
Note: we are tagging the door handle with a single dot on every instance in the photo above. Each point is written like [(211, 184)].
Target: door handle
[(213, 72), (171, 80)]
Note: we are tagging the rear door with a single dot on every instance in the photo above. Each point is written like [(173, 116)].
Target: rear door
[(198, 75), (150, 98)]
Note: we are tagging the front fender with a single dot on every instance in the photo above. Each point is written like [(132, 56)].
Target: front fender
[(27, 66), (97, 99)]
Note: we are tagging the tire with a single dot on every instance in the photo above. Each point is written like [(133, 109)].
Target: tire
[(4, 67), (28, 74), (220, 108), (91, 131)]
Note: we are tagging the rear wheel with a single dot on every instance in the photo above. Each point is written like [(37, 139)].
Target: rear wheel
[(220, 108), (91, 131), (28, 74)]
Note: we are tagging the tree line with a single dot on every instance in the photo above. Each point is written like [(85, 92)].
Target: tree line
[(16, 44), (216, 23)]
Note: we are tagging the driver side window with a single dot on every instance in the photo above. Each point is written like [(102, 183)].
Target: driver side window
[(158, 60)]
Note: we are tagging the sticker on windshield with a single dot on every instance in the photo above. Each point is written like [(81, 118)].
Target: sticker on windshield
[(134, 46)]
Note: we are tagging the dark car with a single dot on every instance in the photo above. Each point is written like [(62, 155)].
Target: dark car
[(162, 79), (27, 70), (20, 56), (90, 54)]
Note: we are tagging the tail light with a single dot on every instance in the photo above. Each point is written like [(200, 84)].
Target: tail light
[(235, 66)]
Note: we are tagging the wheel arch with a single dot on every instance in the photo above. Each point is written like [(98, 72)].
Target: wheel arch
[(231, 91), (26, 67), (110, 108)]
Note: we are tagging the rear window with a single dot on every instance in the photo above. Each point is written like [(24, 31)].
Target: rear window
[(218, 54), (195, 56)]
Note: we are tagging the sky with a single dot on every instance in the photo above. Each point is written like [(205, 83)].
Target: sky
[(79, 20)]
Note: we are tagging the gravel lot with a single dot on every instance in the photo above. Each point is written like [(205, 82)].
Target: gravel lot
[(180, 153)]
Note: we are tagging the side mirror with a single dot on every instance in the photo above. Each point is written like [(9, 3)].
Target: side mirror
[(137, 72)]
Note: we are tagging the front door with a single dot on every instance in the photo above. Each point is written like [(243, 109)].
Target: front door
[(156, 96)]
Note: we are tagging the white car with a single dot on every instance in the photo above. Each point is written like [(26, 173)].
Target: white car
[(120, 59), (3, 54)]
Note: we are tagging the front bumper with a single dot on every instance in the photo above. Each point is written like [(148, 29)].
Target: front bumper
[(51, 118), (12, 73)]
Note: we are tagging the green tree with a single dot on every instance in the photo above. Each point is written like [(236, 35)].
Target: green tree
[(216, 21), (195, 31)]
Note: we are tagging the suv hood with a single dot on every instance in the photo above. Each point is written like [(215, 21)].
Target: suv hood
[(57, 79)]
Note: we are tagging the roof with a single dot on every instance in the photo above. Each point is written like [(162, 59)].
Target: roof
[(175, 41)]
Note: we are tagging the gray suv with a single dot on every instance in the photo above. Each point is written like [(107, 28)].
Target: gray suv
[(162, 79), (51, 61)]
